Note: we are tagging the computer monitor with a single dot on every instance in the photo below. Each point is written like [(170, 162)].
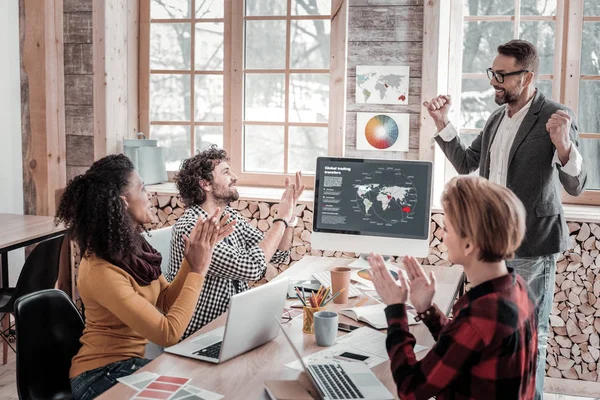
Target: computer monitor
[(380, 206)]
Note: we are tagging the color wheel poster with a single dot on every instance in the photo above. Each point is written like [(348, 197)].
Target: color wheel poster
[(382, 131)]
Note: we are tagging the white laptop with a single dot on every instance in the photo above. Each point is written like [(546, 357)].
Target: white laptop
[(343, 380), (250, 323)]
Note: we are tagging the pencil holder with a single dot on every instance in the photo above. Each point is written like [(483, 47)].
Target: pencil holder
[(308, 324)]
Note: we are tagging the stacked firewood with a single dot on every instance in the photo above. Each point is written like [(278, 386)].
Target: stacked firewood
[(574, 338)]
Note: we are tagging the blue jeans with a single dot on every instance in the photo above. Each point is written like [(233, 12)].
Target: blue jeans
[(540, 274), (90, 384)]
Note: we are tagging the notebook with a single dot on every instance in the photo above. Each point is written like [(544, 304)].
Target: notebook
[(373, 315)]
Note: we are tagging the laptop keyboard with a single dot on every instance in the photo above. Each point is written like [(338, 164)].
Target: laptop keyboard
[(335, 380), (211, 351)]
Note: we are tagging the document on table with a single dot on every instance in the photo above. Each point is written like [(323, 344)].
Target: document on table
[(364, 341)]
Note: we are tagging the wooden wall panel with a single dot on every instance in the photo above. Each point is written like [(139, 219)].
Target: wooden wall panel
[(42, 104), (78, 27), (79, 120), (79, 59), (71, 6), (80, 151), (78, 89), (386, 24), (385, 32)]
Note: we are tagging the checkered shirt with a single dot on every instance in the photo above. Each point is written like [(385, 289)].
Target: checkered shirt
[(488, 351), (236, 260)]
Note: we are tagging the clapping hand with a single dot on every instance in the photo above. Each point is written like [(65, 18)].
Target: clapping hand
[(419, 287), (200, 244), (290, 197)]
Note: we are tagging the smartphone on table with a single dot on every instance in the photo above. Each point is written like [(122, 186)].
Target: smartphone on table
[(348, 356), (346, 327)]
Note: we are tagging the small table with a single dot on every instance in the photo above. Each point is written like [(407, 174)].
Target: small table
[(243, 377), (18, 231)]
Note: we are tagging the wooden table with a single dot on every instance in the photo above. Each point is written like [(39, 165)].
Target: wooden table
[(18, 231), (243, 377)]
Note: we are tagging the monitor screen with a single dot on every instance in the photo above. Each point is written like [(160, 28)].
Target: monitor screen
[(363, 205)]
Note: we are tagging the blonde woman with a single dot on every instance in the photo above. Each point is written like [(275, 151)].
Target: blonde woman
[(489, 349)]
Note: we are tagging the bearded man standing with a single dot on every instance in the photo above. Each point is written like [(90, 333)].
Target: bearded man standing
[(529, 144)]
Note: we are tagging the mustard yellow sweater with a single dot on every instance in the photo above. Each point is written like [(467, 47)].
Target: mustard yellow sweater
[(121, 316)]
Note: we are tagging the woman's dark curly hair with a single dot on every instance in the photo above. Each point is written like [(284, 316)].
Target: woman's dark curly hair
[(94, 212), (195, 169)]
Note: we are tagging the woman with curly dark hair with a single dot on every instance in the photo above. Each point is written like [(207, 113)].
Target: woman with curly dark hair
[(120, 280)]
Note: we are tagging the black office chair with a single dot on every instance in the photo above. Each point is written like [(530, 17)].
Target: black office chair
[(39, 272), (48, 330)]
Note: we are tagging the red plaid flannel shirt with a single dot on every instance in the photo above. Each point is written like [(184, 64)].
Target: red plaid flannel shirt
[(487, 351)]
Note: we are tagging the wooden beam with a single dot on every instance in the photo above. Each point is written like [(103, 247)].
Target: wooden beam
[(42, 104), (99, 85), (338, 64), (144, 68), (436, 31)]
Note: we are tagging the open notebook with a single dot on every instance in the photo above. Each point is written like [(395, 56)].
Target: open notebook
[(373, 315)]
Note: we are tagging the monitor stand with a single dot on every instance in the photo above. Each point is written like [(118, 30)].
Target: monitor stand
[(362, 263)]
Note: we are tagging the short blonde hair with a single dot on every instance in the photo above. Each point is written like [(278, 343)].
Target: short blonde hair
[(487, 214)]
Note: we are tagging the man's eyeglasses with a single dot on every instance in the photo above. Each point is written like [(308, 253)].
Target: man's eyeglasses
[(500, 75)]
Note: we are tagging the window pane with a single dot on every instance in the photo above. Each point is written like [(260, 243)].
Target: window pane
[(170, 46), (590, 151), (169, 97), (476, 103), (206, 136), (311, 7), (590, 49), (264, 97), (481, 39), (265, 44), (538, 7), (545, 87), (306, 144), (309, 97), (161, 9), (488, 7), (263, 148), (209, 46), (542, 35), (591, 8), (175, 139), (210, 9), (310, 44), (467, 138), (264, 7), (589, 104), (208, 100)]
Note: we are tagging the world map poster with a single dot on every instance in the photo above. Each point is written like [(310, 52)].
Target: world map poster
[(382, 84)]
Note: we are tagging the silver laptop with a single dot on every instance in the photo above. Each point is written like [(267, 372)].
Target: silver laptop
[(343, 380), (250, 323)]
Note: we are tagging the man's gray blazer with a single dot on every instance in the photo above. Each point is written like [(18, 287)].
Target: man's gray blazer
[(531, 175)]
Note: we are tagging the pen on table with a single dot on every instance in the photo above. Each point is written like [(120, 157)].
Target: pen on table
[(360, 303), (367, 294), (333, 297)]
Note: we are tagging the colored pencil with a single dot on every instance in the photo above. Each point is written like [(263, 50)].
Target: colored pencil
[(360, 303), (333, 297)]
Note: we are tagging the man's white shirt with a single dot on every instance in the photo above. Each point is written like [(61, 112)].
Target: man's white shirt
[(500, 148)]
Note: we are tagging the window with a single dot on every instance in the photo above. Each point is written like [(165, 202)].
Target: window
[(556, 28), (251, 76)]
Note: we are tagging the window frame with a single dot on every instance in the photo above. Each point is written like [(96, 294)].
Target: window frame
[(233, 80)]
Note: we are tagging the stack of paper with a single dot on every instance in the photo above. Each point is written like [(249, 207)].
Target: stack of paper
[(153, 386)]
